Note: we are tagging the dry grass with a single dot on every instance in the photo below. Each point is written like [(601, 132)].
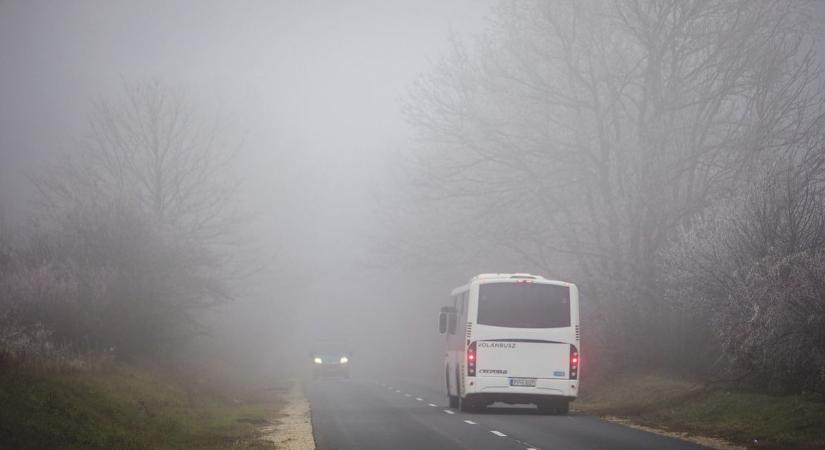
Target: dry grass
[(741, 416), (126, 408)]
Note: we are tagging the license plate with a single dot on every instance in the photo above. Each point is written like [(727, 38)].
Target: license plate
[(525, 382)]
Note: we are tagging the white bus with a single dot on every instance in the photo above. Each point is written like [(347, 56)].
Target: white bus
[(512, 338)]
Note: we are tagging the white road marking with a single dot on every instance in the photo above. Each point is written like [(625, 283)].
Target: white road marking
[(433, 405), (498, 433), (397, 391), (470, 422), (449, 412), (407, 395), (419, 399)]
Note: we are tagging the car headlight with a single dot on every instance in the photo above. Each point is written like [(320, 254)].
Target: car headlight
[(318, 360), (344, 360)]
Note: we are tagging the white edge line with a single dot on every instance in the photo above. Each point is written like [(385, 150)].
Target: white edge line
[(498, 433), (419, 399), (433, 405), (448, 411), (470, 422)]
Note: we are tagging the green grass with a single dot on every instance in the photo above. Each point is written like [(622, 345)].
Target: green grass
[(123, 408), (737, 415)]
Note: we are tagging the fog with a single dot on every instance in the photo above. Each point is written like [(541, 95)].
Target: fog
[(308, 91), (387, 151)]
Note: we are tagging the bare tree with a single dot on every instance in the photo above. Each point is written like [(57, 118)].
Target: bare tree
[(582, 135), (153, 152), (147, 208)]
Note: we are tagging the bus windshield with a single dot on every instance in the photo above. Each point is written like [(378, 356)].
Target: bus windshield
[(524, 305)]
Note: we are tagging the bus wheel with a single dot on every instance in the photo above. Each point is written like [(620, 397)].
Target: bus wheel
[(560, 408), (453, 401), (466, 405), (545, 407)]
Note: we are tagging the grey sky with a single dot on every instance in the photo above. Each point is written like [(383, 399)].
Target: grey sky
[(295, 77)]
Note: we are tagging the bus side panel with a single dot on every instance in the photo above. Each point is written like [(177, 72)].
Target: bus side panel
[(574, 316), (454, 365), (456, 345)]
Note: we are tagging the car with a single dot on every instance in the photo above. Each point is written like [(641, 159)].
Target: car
[(330, 361)]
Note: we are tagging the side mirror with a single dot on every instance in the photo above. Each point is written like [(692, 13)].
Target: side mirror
[(442, 323), (453, 323)]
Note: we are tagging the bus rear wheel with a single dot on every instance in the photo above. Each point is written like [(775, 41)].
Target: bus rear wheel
[(556, 407), (467, 405)]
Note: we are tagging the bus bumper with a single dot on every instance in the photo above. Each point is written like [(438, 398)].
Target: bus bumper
[(498, 389)]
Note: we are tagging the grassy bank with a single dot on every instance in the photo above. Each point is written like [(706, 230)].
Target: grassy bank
[(737, 415), (124, 408)]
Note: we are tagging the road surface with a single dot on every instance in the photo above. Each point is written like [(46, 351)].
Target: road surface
[(358, 414)]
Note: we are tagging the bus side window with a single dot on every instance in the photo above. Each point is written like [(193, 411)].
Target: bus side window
[(464, 299)]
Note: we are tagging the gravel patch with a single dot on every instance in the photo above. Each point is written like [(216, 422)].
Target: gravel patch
[(294, 429)]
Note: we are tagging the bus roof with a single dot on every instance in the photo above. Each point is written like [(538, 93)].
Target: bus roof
[(507, 278)]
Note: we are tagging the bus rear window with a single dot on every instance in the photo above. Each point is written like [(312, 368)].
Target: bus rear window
[(524, 305)]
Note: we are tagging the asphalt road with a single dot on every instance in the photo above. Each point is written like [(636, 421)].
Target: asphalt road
[(357, 414)]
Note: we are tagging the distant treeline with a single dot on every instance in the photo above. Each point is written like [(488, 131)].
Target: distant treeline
[(668, 156)]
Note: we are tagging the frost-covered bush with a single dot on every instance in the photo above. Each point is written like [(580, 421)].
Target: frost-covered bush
[(757, 270), (101, 278)]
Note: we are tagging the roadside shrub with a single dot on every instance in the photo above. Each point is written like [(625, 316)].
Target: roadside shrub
[(757, 273), (101, 281)]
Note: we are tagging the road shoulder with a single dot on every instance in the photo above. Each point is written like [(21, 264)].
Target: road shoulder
[(707, 441), (294, 428)]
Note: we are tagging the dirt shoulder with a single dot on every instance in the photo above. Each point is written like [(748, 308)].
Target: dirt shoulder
[(293, 431), (707, 441)]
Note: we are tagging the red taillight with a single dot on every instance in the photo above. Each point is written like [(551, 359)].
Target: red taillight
[(471, 360), (574, 362)]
